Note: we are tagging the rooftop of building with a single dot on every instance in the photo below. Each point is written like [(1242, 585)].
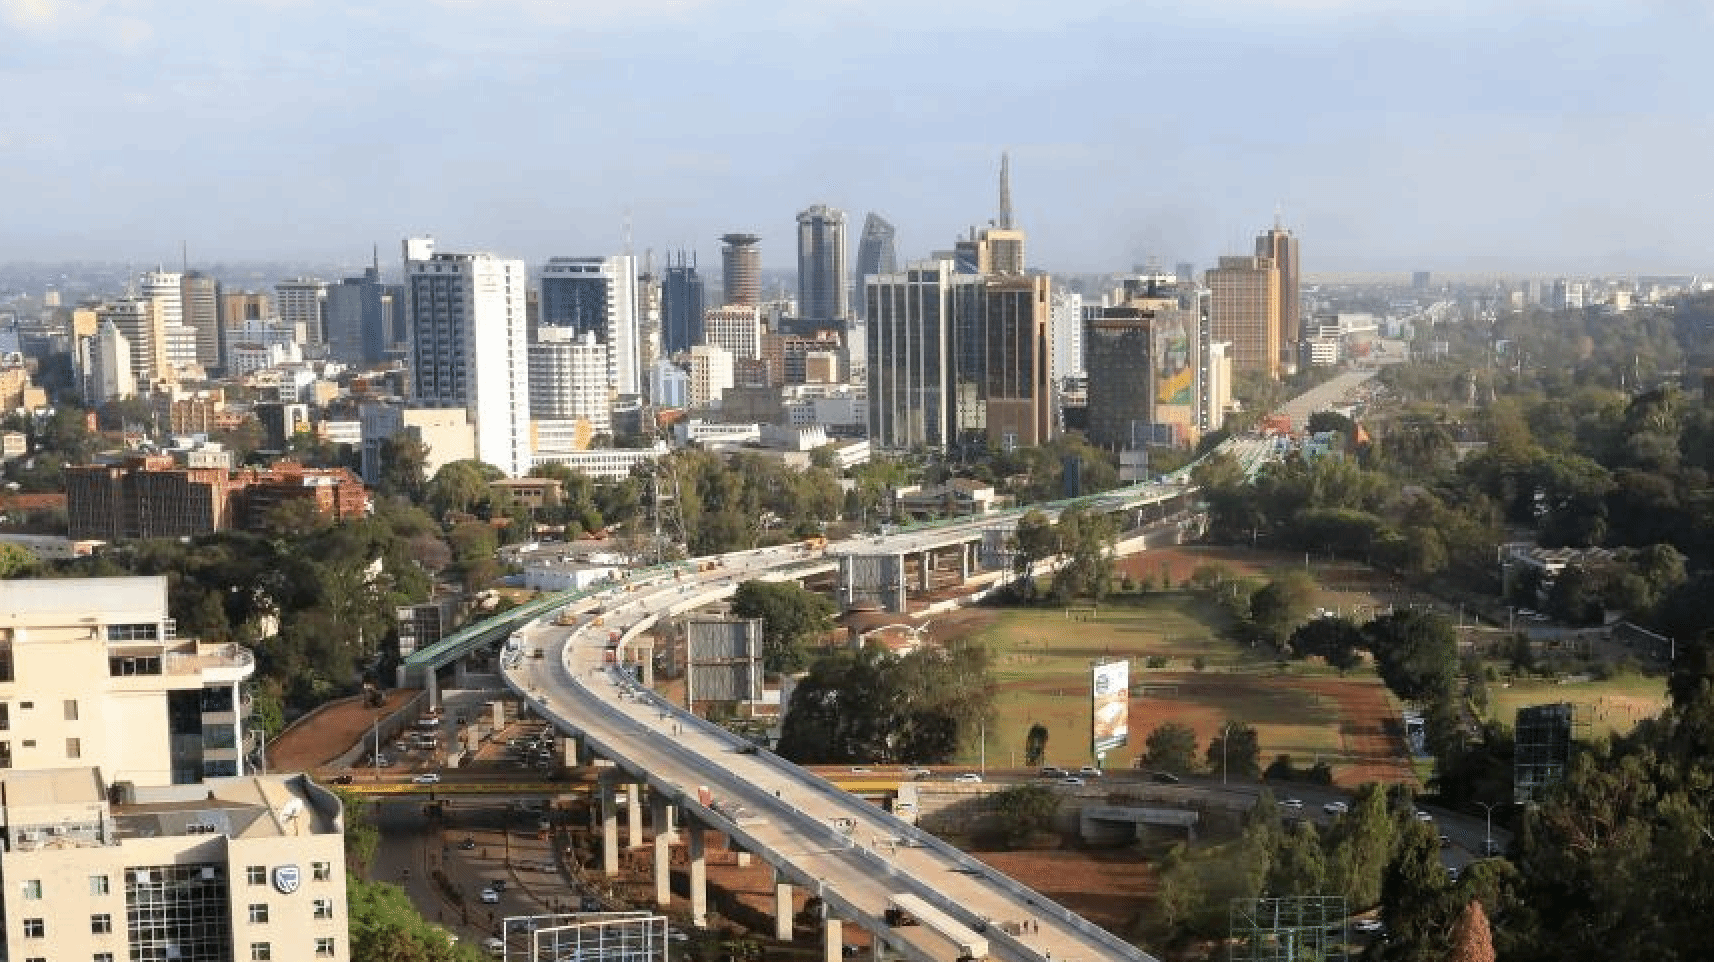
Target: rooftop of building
[(73, 600)]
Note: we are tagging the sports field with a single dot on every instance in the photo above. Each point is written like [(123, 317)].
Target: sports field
[(1609, 707)]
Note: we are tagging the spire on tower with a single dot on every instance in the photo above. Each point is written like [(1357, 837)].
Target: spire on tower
[(1005, 191)]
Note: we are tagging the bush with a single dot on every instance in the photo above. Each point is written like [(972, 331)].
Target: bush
[(1156, 661)]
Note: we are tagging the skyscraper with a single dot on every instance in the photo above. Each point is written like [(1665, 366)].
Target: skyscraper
[(357, 331), (300, 303), (1244, 310), (681, 305), (1280, 247), (1002, 363), (875, 255), (465, 313), (568, 375), (822, 300), (138, 320), (1004, 241), (909, 354), (741, 269), (597, 295), (200, 300)]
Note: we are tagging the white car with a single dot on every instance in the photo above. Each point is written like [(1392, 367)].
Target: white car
[(494, 945), (1089, 771), (1423, 816), (968, 778), (1367, 925), (1292, 803), (429, 778), (489, 897), (1336, 808)]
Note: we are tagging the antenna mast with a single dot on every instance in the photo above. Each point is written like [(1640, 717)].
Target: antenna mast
[(1005, 191)]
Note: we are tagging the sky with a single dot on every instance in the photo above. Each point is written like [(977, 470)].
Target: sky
[(1388, 135)]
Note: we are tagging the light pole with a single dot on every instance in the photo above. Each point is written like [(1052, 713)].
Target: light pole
[(1225, 739), (377, 756), (1488, 830), (982, 751)]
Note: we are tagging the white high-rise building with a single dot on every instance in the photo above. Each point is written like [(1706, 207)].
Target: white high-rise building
[(166, 289), (597, 295), (710, 374), (107, 370), (468, 345), (301, 303), (737, 329), (568, 379), (139, 320), (1065, 324)]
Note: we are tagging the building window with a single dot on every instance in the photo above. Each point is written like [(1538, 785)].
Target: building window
[(102, 957), (256, 874), (74, 748), (35, 929), (5, 716), (101, 924), (98, 885), (71, 709), (324, 948), (33, 889), (323, 908), (261, 952), (321, 871), (259, 913)]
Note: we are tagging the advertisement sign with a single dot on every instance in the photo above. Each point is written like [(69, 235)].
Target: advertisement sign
[(1110, 705)]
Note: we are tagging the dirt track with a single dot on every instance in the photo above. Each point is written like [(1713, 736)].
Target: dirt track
[(337, 727)]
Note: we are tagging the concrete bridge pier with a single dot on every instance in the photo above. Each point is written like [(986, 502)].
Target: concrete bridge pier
[(832, 935), (663, 869), (925, 572), (609, 826), (633, 815), (431, 684), (783, 928), (965, 562), (698, 858), (661, 816)]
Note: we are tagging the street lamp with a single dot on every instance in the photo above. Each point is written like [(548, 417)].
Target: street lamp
[(1488, 831)]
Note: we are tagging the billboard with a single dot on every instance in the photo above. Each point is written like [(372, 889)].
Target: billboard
[(1110, 705)]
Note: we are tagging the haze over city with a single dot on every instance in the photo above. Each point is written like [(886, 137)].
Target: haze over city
[(1519, 136)]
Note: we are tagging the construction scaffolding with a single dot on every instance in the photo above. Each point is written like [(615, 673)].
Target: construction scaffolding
[(1542, 751), (586, 937), (1305, 928)]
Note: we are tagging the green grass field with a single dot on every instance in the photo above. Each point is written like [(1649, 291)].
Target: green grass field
[(1613, 706)]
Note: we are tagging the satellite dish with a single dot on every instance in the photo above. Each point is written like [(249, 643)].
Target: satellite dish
[(292, 809)]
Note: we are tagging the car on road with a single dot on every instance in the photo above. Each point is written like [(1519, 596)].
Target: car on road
[(674, 935), (1072, 780), (1367, 926), (467, 844), (1295, 804), (1053, 771), (859, 770), (344, 779), (1163, 778), (489, 896), (1422, 816), (494, 945), (1336, 808), (1491, 847), (1089, 771), (968, 778), (427, 778), (498, 885), (917, 771)]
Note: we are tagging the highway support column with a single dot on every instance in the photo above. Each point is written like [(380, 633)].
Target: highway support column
[(783, 928), (698, 858), (609, 826), (832, 935), (633, 817), (663, 868)]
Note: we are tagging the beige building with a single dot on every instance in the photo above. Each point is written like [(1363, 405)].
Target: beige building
[(1279, 246), (1244, 310), (92, 673), (230, 869)]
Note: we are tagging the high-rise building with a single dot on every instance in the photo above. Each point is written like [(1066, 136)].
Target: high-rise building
[(737, 329), (597, 295), (1118, 350), (568, 379), (357, 330), (166, 289), (1001, 388), (302, 302), (741, 269), (200, 297), (648, 316), (236, 307), (1004, 242), (107, 367), (682, 305), (822, 300), (711, 374), (467, 348), (876, 254), (1279, 246), (139, 320), (1066, 326), (909, 355), (1244, 311)]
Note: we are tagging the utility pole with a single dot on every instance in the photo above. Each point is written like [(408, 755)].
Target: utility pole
[(1488, 830)]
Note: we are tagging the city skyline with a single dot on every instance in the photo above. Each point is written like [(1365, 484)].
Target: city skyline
[(1452, 138)]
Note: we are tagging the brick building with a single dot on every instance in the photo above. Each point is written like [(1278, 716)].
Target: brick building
[(152, 496)]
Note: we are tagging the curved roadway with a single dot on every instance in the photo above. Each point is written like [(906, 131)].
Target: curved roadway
[(841, 848)]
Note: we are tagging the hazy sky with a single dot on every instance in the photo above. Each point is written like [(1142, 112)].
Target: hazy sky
[(1393, 134)]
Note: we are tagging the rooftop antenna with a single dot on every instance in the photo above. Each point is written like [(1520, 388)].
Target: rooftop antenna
[(184, 257), (1279, 212), (1005, 191), (375, 254), (627, 231)]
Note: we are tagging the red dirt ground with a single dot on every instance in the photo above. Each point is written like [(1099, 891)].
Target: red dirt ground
[(311, 744)]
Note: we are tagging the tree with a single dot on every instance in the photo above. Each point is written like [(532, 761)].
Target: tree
[(1024, 810), (1360, 845), (1171, 747), (1281, 606), (1035, 540), (1415, 901), (16, 562), (461, 487), (1035, 744), (1236, 751), (1416, 653), (1334, 640), (1471, 940), (1087, 541), (870, 706), (791, 617)]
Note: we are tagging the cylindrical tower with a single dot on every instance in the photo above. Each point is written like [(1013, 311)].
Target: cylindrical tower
[(741, 269)]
